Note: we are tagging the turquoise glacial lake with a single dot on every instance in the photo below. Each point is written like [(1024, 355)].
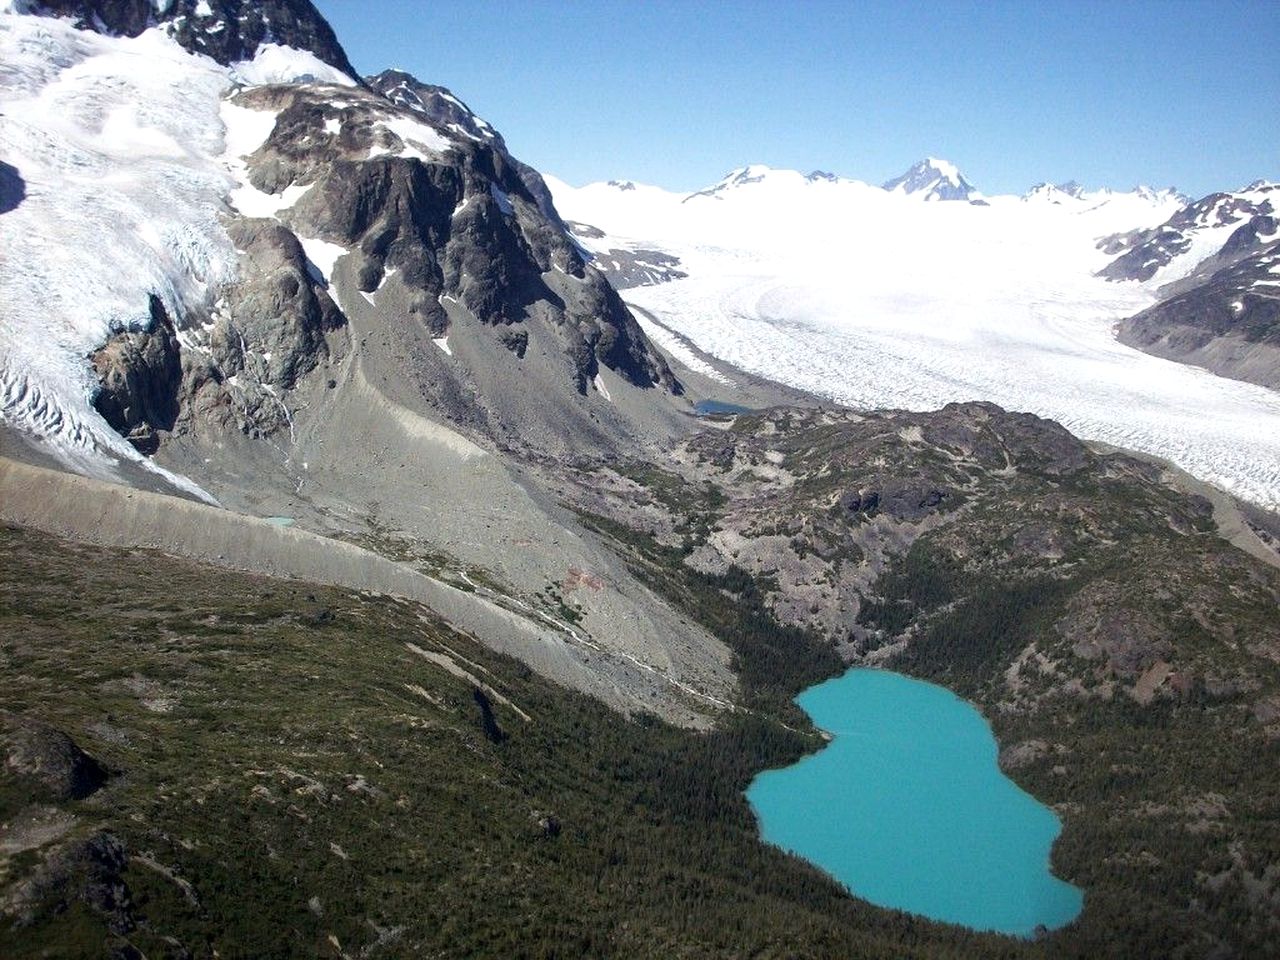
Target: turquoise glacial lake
[(907, 807)]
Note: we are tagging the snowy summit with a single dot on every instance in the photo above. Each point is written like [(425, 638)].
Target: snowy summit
[(933, 179)]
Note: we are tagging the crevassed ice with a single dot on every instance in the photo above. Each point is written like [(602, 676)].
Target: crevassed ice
[(850, 292), (114, 138)]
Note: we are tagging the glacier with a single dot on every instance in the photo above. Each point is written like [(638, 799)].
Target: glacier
[(874, 301), (127, 158)]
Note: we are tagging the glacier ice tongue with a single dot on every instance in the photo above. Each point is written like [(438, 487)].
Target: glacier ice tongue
[(126, 156), (116, 142), (875, 300)]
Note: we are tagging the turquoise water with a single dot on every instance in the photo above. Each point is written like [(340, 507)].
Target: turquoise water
[(908, 809), (279, 521)]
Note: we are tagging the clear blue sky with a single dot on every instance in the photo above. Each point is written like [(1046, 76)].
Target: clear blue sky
[(676, 92)]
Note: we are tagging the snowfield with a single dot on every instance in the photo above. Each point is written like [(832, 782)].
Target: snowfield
[(874, 300)]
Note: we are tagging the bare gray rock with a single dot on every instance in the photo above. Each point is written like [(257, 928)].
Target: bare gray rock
[(48, 760), (140, 372)]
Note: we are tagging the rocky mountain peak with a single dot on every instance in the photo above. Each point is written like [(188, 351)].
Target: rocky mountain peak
[(436, 103), (482, 304), (455, 119), (933, 179), (228, 31)]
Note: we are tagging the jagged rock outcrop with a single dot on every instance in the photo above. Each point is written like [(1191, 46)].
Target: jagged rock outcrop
[(274, 326), (48, 761), (140, 373), (226, 30), (278, 305), (440, 106)]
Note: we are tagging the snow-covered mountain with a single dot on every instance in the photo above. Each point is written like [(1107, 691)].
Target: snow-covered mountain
[(253, 177), (872, 298), (1221, 225), (756, 175), (1216, 266), (199, 293), (235, 271), (933, 179)]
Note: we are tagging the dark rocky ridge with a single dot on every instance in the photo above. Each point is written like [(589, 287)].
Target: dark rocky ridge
[(1228, 322), (1140, 254), (841, 518), (819, 500), (440, 106), (1224, 315), (628, 267), (463, 226), (232, 30)]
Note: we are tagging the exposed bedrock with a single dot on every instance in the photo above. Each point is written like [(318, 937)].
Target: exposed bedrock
[(225, 30)]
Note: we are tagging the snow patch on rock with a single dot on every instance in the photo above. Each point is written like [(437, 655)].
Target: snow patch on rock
[(322, 255), (273, 63), (421, 142)]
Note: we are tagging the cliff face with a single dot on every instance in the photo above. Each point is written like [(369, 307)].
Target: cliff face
[(473, 304)]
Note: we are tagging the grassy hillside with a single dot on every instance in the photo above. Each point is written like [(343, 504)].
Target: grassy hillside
[(300, 771), (289, 777), (1127, 657)]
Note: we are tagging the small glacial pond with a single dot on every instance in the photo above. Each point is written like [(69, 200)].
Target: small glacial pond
[(713, 408), (908, 809)]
